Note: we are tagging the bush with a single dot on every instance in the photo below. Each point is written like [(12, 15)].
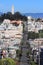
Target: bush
[(7, 61), (33, 63), (33, 35), (18, 52)]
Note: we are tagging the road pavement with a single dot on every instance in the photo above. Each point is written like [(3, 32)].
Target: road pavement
[(24, 59)]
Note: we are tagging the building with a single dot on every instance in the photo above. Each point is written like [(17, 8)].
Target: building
[(11, 34), (34, 25)]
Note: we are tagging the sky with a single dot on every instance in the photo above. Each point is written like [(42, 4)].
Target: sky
[(23, 6)]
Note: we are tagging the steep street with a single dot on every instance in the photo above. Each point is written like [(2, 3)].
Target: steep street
[(24, 59)]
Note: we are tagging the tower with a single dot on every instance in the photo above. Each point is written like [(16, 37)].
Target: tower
[(12, 9)]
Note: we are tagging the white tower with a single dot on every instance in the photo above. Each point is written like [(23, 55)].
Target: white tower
[(12, 9)]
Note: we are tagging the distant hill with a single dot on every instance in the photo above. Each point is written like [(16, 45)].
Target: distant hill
[(34, 15), (1, 13)]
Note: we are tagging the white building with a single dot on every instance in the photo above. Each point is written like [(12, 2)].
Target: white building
[(10, 34), (34, 26)]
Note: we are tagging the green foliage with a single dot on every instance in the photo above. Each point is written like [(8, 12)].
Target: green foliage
[(24, 18), (16, 16), (18, 52), (7, 61), (33, 63), (41, 33), (38, 19), (33, 35)]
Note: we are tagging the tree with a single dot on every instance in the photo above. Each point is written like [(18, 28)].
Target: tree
[(38, 19), (7, 61), (17, 16), (24, 18), (33, 35), (41, 33)]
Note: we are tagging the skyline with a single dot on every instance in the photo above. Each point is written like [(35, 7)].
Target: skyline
[(23, 6)]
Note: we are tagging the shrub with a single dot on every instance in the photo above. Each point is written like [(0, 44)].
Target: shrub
[(7, 61), (33, 35), (33, 63)]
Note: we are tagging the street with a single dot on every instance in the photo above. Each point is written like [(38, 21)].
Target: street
[(24, 59)]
